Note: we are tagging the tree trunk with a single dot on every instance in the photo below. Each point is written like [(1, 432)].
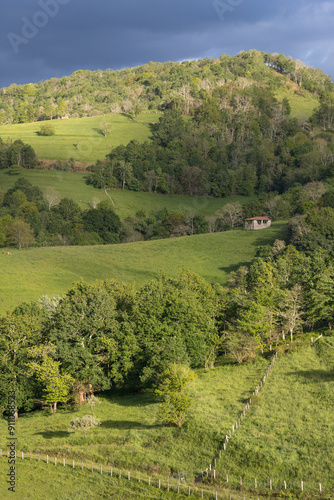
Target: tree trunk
[(54, 408), (82, 397), (16, 414)]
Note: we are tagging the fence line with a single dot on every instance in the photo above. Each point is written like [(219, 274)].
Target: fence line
[(243, 413), (179, 486), (172, 484)]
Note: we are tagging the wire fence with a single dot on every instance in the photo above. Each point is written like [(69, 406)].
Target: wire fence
[(209, 483)]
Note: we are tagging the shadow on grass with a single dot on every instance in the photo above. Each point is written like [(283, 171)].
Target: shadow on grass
[(127, 424), (234, 267), (53, 434), (129, 398), (313, 376)]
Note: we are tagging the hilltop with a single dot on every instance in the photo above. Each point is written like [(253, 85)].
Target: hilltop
[(156, 86)]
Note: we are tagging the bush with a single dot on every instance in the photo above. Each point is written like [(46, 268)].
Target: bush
[(47, 130)]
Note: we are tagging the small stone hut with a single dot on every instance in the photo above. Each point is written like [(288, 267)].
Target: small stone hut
[(254, 223)]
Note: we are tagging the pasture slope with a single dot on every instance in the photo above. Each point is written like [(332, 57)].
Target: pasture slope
[(29, 273), (286, 436), (126, 203), (81, 138)]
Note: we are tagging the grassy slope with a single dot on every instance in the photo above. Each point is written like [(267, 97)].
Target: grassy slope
[(27, 274), (129, 437), (289, 432), (302, 106), (38, 481), (287, 435), (85, 132), (72, 185)]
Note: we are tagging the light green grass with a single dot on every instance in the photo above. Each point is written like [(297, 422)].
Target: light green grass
[(126, 203), (302, 106), (38, 481), (289, 432), (29, 273), (85, 133), (131, 439)]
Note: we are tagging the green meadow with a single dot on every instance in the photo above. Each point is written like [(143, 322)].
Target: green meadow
[(81, 138), (126, 203), (288, 434), (29, 273), (131, 440), (302, 106)]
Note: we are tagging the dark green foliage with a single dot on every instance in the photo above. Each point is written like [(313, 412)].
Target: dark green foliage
[(103, 221), (17, 154)]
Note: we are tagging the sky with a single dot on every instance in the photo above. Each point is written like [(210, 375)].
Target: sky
[(41, 39)]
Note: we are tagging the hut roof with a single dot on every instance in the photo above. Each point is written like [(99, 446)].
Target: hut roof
[(258, 218)]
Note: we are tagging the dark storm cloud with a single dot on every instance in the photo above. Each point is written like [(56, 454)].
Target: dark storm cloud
[(86, 34)]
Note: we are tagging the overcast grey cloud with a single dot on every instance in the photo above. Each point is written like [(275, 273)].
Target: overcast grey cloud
[(45, 38)]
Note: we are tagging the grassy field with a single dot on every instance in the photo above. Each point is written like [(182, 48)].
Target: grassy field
[(29, 273), (289, 431), (38, 481), (127, 203), (302, 106), (288, 434), (130, 438), (81, 138)]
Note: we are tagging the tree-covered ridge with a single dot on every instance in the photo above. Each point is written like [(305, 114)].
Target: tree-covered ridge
[(240, 143), (156, 86)]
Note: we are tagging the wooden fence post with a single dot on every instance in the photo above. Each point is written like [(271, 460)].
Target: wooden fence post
[(159, 484), (255, 483), (64, 461), (120, 473), (81, 465), (101, 469), (285, 485), (188, 491), (111, 471), (149, 480), (47, 459), (55, 460), (271, 484), (129, 476), (302, 485)]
